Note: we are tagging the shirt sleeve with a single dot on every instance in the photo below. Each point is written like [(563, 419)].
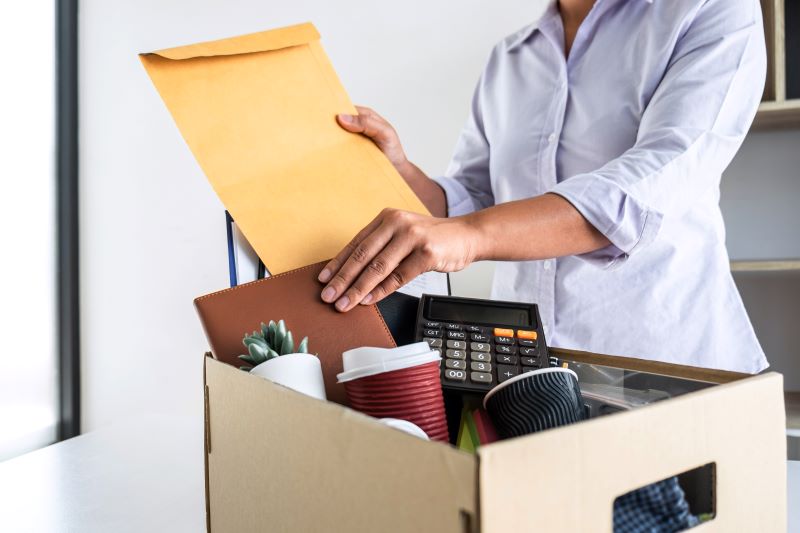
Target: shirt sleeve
[(466, 182), (690, 130)]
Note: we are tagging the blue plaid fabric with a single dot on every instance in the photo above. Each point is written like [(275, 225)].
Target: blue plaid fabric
[(657, 508)]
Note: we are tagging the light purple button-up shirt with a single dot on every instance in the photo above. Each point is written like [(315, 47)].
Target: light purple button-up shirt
[(634, 129)]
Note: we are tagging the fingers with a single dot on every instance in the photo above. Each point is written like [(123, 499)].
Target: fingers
[(408, 269), (367, 122), (336, 263), (377, 270), (361, 256)]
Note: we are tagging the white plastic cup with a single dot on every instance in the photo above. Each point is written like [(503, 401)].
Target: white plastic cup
[(368, 361)]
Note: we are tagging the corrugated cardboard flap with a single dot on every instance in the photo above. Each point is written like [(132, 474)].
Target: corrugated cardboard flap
[(580, 469), (263, 41), (282, 461)]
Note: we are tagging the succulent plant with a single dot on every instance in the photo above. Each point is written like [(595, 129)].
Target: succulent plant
[(272, 340)]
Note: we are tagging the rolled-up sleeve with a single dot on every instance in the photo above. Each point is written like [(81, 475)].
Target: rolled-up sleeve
[(692, 127), (466, 182)]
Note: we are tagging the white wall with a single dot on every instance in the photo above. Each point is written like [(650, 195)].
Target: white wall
[(152, 229)]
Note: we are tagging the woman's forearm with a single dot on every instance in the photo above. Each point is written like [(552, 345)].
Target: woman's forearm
[(535, 228), (427, 190)]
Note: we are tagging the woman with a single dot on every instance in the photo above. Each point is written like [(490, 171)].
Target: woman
[(597, 136)]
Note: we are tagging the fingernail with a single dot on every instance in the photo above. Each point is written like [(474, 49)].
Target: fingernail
[(343, 302), (325, 275), (346, 118), (328, 294), (367, 299)]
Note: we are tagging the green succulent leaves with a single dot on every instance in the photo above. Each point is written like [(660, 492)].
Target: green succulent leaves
[(270, 341)]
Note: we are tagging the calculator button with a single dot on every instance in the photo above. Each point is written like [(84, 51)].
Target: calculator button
[(480, 356), (528, 351), (456, 354), (455, 363), (456, 345), (503, 332), (505, 359), (530, 361), (504, 340), (432, 332), (452, 374), (479, 366), (474, 329), (454, 327), (481, 377), (505, 349), (479, 346), (505, 372), (479, 337), (526, 342), (432, 325), (457, 335), (433, 343), (523, 334)]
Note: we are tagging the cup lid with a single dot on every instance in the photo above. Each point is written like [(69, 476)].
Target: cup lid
[(368, 361), (405, 425), (525, 375)]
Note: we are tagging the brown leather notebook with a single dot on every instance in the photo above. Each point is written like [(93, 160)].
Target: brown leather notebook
[(294, 297)]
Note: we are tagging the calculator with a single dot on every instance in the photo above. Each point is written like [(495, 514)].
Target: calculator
[(482, 342)]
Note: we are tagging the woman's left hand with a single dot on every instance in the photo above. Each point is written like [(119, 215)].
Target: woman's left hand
[(392, 250)]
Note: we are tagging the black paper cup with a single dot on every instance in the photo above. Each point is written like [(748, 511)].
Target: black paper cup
[(535, 401)]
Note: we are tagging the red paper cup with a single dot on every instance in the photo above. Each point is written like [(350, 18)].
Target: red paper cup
[(398, 383)]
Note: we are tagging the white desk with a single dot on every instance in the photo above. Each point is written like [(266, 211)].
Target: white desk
[(145, 475)]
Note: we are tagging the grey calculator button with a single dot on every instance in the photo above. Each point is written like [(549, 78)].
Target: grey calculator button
[(455, 375), (528, 351), (433, 343), (503, 359), (502, 348), (432, 333), (457, 345), (456, 354), (458, 364), (479, 346), (504, 340), (505, 372), (481, 377), (530, 361), (479, 366), (480, 356)]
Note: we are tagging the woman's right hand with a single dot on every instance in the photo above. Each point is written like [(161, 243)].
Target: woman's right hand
[(374, 126)]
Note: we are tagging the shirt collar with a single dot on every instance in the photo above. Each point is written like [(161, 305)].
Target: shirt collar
[(547, 17)]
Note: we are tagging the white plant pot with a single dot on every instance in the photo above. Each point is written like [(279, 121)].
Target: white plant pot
[(298, 371)]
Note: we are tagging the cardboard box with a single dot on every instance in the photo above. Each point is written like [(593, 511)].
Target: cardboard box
[(280, 461)]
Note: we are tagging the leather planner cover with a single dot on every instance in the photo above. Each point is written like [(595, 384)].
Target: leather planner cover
[(293, 296)]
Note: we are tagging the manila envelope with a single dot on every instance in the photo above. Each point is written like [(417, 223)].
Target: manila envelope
[(259, 114)]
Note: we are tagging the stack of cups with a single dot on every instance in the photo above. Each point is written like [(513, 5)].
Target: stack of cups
[(399, 383)]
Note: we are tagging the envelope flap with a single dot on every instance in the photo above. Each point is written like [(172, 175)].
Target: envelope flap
[(263, 41)]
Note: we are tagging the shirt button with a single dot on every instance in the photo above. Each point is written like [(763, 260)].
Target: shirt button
[(551, 138), (547, 265)]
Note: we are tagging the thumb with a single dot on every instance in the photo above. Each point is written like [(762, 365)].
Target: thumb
[(351, 123)]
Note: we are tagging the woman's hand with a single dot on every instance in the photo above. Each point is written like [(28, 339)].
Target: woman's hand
[(372, 125), (392, 250)]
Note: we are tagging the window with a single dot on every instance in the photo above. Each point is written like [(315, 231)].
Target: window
[(29, 389)]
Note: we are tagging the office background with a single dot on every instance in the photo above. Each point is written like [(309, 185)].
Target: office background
[(152, 233)]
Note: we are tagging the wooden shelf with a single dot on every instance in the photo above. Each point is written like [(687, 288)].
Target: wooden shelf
[(765, 266), (792, 401), (776, 111)]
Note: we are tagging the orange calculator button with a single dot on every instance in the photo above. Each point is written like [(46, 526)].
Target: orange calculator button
[(500, 332), (523, 334)]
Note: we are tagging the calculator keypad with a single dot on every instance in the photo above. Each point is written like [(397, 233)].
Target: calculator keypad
[(476, 358)]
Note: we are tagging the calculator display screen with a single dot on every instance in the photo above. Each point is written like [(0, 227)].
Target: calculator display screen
[(479, 313)]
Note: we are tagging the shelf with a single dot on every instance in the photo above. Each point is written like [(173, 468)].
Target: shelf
[(792, 400), (776, 109), (774, 114), (765, 266)]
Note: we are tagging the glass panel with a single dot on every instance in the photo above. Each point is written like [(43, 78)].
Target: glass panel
[(28, 362)]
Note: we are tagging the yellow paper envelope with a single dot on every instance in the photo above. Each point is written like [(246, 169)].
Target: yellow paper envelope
[(259, 114)]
